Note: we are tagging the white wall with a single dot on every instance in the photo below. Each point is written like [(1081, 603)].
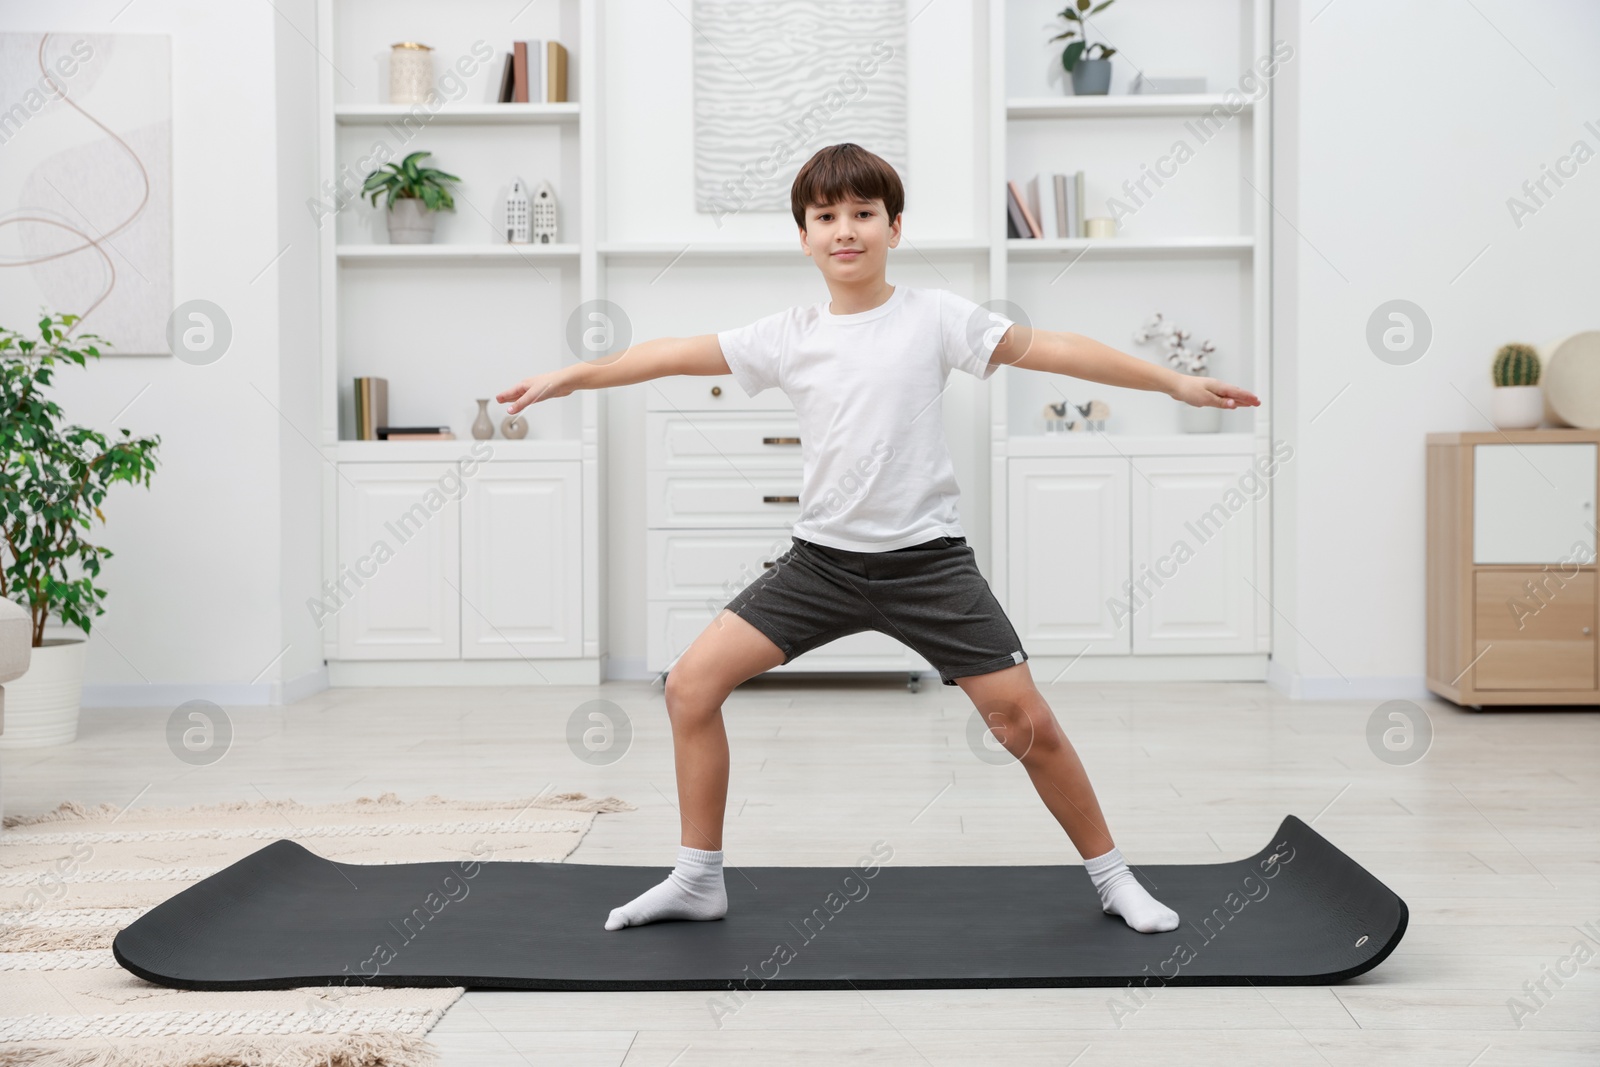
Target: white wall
[(1402, 131), (194, 607)]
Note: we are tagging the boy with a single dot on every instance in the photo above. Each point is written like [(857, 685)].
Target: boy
[(878, 545)]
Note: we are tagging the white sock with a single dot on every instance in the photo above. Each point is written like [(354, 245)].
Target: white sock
[(693, 890), (1121, 894)]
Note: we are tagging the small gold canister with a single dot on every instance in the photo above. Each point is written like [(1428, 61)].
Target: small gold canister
[(410, 73)]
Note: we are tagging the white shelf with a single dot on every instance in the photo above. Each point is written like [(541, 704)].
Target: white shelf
[(773, 249), (1064, 107), (1019, 247), (444, 253), (453, 114), (458, 448), (1085, 443)]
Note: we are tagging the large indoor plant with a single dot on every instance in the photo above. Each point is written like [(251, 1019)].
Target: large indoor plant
[(414, 193), (1088, 64), (53, 479)]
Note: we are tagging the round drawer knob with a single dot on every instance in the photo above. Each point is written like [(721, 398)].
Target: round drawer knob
[(716, 390), (1585, 629)]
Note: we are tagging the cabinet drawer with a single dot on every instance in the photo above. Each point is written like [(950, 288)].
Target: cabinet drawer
[(709, 392), (753, 500), (722, 441), (1543, 638), (709, 565)]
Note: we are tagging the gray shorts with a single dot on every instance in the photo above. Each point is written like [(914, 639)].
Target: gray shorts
[(931, 597)]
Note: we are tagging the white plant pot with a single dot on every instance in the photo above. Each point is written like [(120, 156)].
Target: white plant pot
[(1199, 420), (42, 705), (410, 222), (1517, 407)]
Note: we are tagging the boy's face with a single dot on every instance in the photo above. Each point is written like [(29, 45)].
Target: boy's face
[(850, 239)]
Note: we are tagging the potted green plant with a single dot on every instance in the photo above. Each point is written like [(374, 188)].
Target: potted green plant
[(1517, 402), (414, 193), (53, 479), (1088, 64)]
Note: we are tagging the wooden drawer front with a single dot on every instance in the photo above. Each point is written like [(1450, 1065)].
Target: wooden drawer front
[(722, 441), (710, 565), (1528, 641), (709, 392), (753, 500)]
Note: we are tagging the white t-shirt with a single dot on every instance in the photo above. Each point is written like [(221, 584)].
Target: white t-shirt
[(867, 388)]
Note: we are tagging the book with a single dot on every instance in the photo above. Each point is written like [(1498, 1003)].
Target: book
[(1042, 204), (1077, 203), (1058, 187), (416, 433), (1030, 225), (372, 406), (556, 73), (507, 85), (519, 75), (534, 91), (1016, 225)]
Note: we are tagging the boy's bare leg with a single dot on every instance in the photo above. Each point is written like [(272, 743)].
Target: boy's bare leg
[(1021, 720), (726, 653)]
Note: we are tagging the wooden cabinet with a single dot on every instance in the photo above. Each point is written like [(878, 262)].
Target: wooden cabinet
[(437, 565), (1511, 585)]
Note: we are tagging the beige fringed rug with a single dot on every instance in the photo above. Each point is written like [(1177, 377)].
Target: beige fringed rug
[(71, 878)]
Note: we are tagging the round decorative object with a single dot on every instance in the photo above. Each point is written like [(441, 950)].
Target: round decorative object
[(410, 73), (513, 427), (1570, 377)]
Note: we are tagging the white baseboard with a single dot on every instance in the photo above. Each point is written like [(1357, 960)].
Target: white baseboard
[(1333, 688), (224, 694)]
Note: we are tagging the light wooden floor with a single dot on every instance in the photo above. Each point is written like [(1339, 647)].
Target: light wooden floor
[(1492, 839)]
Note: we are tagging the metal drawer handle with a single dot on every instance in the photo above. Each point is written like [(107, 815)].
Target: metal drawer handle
[(780, 440), (780, 500)]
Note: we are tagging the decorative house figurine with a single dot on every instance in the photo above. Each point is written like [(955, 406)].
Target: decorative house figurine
[(517, 213), (1092, 416), (543, 210)]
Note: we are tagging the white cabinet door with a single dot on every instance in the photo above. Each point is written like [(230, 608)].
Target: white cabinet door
[(1533, 503), (396, 572), (1193, 550), (1068, 548), (522, 561)]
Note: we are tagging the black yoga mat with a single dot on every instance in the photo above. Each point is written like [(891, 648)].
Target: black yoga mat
[(1297, 912)]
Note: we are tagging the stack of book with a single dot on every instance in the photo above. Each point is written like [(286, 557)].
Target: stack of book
[(535, 73), (372, 417), (1051, 206)]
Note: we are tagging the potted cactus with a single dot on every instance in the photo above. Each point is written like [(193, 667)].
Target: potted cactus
[(1517, 402)]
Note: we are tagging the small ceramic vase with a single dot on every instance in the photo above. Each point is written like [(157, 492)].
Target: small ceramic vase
[(513, 427), (482, 428)]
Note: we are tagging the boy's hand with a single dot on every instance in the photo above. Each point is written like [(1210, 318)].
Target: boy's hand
[(547, 386), (1211, 393)]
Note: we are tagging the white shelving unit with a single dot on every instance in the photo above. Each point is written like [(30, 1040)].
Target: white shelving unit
[(501, 584), (458, 319), (1113, 503)]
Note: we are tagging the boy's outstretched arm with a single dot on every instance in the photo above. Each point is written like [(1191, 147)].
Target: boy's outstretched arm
[(1083, 357), (656, 358)]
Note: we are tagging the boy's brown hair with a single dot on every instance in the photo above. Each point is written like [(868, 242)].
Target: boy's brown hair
[(845, 170)]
